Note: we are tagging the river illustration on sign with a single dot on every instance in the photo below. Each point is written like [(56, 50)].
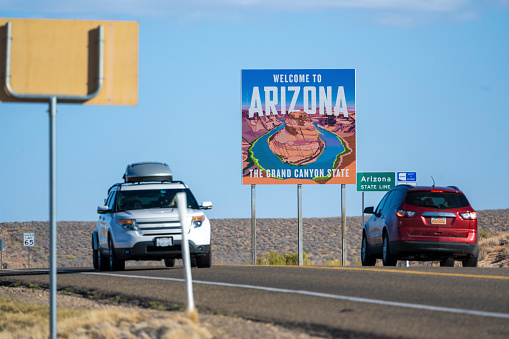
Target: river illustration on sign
[(298, 127)]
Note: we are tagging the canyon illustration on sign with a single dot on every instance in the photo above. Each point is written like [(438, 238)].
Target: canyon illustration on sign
[(298, 126)]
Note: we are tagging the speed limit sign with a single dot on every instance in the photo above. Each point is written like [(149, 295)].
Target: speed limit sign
[(28, 239)]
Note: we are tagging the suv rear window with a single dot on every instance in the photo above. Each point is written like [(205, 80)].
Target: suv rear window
[(439, 200), (154, 198)]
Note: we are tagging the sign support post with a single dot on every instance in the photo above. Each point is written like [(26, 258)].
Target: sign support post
[(343, 226), (253, 224), (299, 213), (362, 211), (53, 215), (2, 249)]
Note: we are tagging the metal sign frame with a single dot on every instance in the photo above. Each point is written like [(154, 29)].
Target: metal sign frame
[(75, 98)]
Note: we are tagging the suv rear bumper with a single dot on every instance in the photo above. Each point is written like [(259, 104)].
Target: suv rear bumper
[(432, 248), (146, 250)]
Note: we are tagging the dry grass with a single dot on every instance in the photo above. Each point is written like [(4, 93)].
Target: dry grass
[(495, 248), (21, 320), (274, 258)]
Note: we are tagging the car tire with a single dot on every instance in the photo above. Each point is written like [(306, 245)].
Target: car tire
[(366, 258), (470, 261), (449, 262), (102, 261), (116, 264), (205, 261), (388, 259), (169, 262), (95, 255)]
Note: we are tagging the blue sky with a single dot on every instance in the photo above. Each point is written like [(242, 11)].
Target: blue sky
[(432, 96)]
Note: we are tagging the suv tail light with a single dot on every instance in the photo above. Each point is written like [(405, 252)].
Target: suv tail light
[(468, 215), (406, 213)]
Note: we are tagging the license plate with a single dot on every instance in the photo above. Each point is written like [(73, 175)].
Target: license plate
[(438, 220), (164, 242)]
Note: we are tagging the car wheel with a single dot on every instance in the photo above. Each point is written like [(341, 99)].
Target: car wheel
[(449, 262), (102, 261), (387, 258), (95, 255), (116, 264), (366, 258), (169, 262), (205, 261), (470, 261)]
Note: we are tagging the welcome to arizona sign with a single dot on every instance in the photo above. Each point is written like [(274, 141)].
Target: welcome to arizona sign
[(298, 126)]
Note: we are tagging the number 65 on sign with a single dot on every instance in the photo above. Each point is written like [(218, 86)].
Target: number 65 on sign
[(28, 239)]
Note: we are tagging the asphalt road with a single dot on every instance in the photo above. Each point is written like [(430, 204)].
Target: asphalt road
[(350, 302)]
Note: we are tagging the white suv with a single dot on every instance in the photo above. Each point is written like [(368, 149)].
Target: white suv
[(140, 221)]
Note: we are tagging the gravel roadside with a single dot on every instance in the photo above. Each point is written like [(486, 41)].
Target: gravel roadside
[(209, 326)]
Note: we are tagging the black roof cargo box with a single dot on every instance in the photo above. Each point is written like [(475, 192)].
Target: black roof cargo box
[(147, 171)]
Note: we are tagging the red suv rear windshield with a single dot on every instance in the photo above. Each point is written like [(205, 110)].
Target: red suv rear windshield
[(439, 200)]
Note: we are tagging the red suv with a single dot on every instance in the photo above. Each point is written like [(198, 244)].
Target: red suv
[(421, 223)]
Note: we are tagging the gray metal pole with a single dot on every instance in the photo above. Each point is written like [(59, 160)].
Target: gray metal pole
[(53, 215), (253, 224), (362, 212), (343, 223), (299, 209)]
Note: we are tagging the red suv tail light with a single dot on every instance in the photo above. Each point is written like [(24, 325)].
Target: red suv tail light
[(406, 213), (468, 215)]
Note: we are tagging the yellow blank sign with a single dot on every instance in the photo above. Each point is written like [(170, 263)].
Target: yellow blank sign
[(60, 57)]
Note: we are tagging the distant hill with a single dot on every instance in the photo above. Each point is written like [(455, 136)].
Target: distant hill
[(231, 239)]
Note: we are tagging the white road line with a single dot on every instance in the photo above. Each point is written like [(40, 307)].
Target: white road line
[(323, 295)]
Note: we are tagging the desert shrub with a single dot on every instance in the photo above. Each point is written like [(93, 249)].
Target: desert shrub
[(505, 251), (333, 262), (488, 245), (274, 258)]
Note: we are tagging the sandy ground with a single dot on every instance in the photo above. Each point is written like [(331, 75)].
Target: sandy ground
[(208, 326)]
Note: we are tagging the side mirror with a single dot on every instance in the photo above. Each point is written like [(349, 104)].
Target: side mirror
[(103, 209), (206, 205), (369, 210)]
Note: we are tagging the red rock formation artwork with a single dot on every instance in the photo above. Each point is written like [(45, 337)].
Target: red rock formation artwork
[(299, 142)]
